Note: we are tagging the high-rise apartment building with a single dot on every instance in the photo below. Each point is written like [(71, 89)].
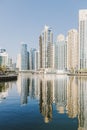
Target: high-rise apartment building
[(24, 56), (18, 65), (46, 48), (72, 50), (83, 39), (37, 60), (40, 50), (34, 59), (60, 53)]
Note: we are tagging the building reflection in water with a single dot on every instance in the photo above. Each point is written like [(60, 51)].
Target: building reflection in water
[(27, 87), (34, 88), (23, 88), (72, 97), (82, 103), (24, 91), (4, 87), (68, 94), (46, 99), (60, 93)]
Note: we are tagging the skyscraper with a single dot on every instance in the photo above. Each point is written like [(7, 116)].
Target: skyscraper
[(18, 65), (72, 50), (24, 57), (60, 53), (37, 61), (40, 50), (83, 39), (34, 59), (46, 48)]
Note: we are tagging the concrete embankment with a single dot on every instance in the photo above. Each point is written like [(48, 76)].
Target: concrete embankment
[(78, 74)]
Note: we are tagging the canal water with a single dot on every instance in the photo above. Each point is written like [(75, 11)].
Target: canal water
[(44, 102)]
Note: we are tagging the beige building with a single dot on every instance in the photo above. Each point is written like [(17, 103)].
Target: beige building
[(72, 50)]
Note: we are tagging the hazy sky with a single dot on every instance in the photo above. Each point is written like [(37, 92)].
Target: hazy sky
[(23, 20)]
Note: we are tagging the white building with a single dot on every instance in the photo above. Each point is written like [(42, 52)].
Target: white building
[(18, 65), (37, 60), (3, 57), (34, 59), (46, 46), (83, 39)]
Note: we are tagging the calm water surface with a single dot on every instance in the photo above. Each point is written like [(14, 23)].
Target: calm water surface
[(49, 102)]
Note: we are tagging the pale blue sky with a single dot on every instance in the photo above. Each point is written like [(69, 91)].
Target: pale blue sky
[(23, 20)]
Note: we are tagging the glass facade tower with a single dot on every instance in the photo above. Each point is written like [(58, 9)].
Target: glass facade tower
[(60, 53), (24, 57)]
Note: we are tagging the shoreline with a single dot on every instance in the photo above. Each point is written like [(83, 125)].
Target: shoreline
[(68, 74), (10, 77)]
